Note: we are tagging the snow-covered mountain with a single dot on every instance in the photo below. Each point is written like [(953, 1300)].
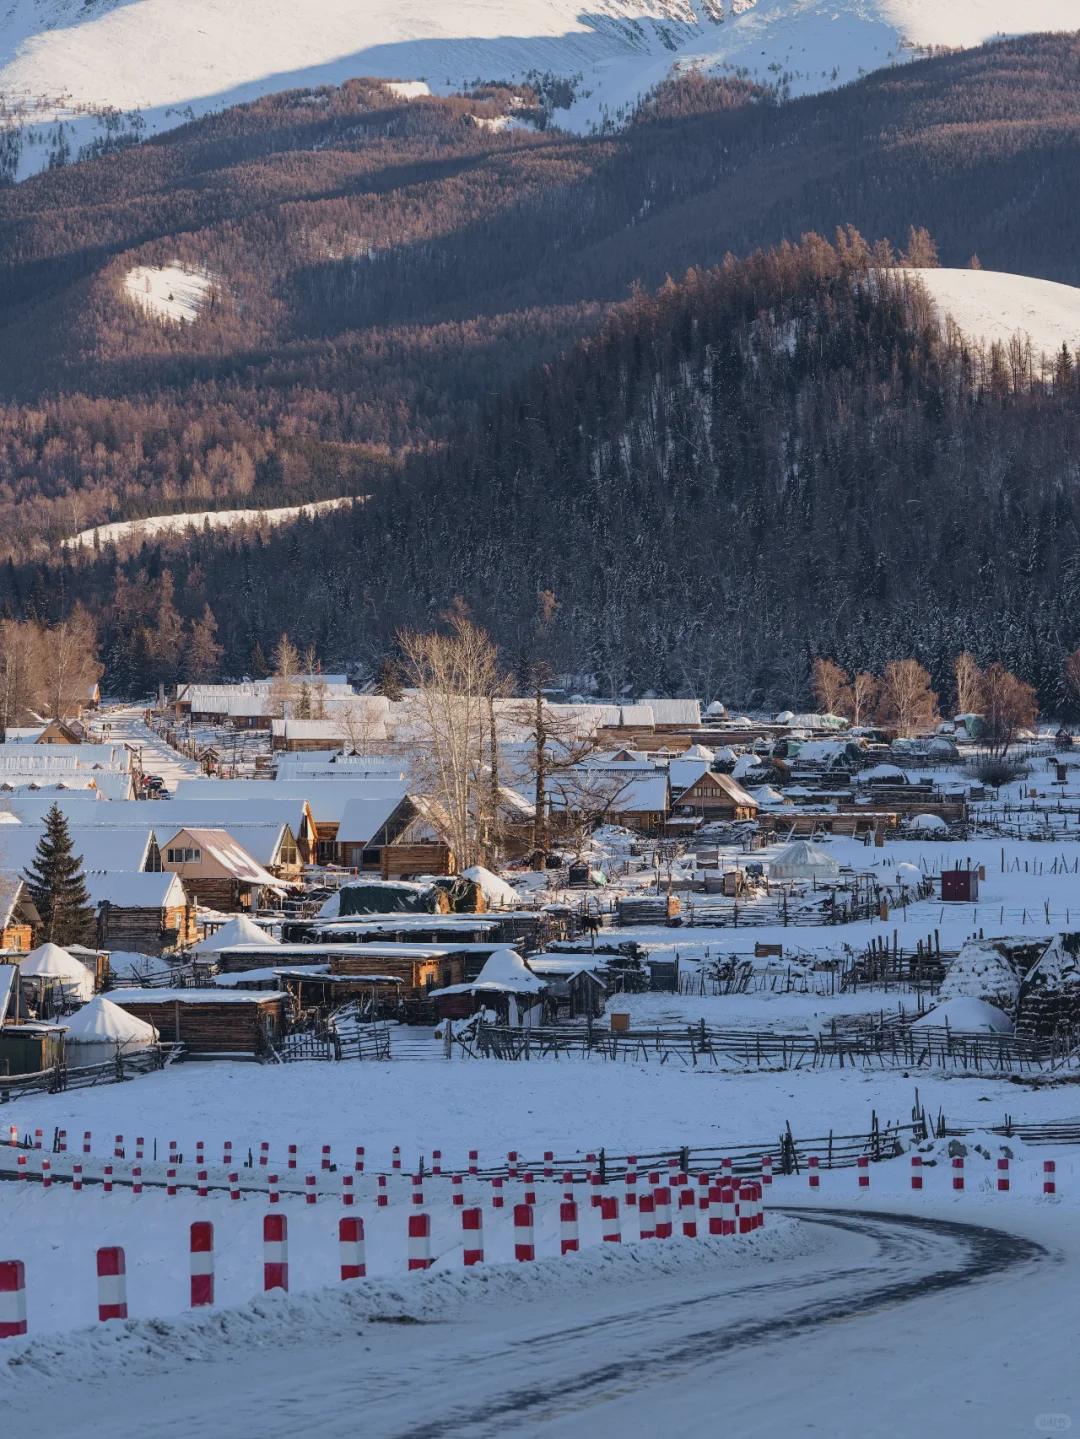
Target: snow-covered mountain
[(71, 71)]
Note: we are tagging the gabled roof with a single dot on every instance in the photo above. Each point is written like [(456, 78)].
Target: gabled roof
[(221, 846), (135, 891), (362, 819), (326, 798), (722, 784)]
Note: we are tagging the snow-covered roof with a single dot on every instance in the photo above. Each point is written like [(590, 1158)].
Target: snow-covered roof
[(127, 889), (240, 930), (102, 1021), (881, 772), (326, 798), (684, 772), (49, 962), (222, 848), (117, 848), (495, 890), (504, 972), (193, 996), (364, 817)]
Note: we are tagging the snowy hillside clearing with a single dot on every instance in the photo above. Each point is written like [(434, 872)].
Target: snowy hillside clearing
[(170, 291), (72, 73), (991, 306), (124, 532)]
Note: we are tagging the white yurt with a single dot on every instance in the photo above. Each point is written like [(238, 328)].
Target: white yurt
[(101, 1030), (240, 930), (803, 860), (57, 971), (928, 824)]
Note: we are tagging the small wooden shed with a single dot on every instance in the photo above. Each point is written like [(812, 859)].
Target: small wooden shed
[(209, 1021)]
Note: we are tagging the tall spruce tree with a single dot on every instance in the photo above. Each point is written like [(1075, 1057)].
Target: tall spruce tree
[(56, 886)]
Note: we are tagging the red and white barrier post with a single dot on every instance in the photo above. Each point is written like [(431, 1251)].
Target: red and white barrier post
[(728, 1210), (662, 1200), (170, 1182), (382, 1199), (419, 1241), (309, 1189), (568, 1226), (715, 1210), (136, 1180), (568, 1185), (351, 1248), (1003, 1175), (472, 1224), (85, 1141), (958, 1173), (347, 1190), (746, 1208), (46, 1174), (358, 1166), (609, 1218), (457, 1192), (813, 1172), (292, 1156), (512, 1164), (523, 1232), (631, 1180), (200, 1154), (594, 1186), (173, 1152), (395, 1157), (274, 1195), (226, 1155), (140, 1144), (76, 1177), (118, 1146), (436, 1161), (264, 1154), (12, 1298), (20, 1167), (61, 1142), (418, 1190), (704, 1188), (234, 1185), (549, 1164), (202, 1264), (112, 1284), (38, 1136), (497, 1192), (326, 1156), (688, 1212), (766, 1169), (275, 1252), (203, 1187), (106, 1176), (916, 1171), (530, 1190), (474, 1161), (1049, 1176), (864, 1171), (646, 1216)]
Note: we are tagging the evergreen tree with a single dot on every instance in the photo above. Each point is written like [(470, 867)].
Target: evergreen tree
[(56, 886)]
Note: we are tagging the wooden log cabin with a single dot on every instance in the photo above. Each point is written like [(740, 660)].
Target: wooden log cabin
[(716, 796), (217, 871), (210, 1021), (148, 913), (18, 913)]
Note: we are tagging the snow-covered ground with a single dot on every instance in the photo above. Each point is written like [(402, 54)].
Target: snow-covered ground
[(135, 531), (92, 67), (991, 306), (170, 292)]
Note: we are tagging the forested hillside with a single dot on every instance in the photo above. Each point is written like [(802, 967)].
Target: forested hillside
[(779, 458), (410, 303), (381, 266)]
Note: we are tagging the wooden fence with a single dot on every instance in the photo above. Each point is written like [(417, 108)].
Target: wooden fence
[(114, 1071)]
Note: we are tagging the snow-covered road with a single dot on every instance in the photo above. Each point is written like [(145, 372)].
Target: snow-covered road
[(127, 726), (885, 1324)]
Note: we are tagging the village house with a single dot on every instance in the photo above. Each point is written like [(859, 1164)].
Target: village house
[(147, 913), (210, 1021), (216, 871), (18, 914), (716, 796)]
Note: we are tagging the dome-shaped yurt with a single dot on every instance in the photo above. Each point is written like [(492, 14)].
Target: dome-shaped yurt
[(59, 977), (101, 1030)]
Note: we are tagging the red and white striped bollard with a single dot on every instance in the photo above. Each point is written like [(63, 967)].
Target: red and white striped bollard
[(351, 1248), (106, 1179), (524, 1249), (46, 1174), (609, 1219), (419, 1241), (202, 1264), (958, 1173), (347, 1190), (170, 1182), (112, 1284), (497, 1192), (234, 1185), (12, 1298), (326, 1156), (864, 1171), (456, 1190), (1003, 1175), (383, 1199), (309, 1189), (688, 1212), (1049, 1176), (813, 1172), (275, 1252), (568, 1226), (76, 1177), (631, 1180), (646, 1216), (273, 1195), (136, 1180), (916, 1171), (472, 1224)]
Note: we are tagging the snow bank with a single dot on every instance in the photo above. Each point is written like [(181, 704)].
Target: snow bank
[(496, 890), (967, 1015)]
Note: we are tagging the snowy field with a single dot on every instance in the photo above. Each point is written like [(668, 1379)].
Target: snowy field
[(990, 306), (62, 60), (125, 532), (170, 292)]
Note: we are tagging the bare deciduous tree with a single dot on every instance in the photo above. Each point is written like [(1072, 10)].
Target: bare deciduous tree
[(907, 703), (970, 691), (584, 795), (828, 682), (1010, 706)]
